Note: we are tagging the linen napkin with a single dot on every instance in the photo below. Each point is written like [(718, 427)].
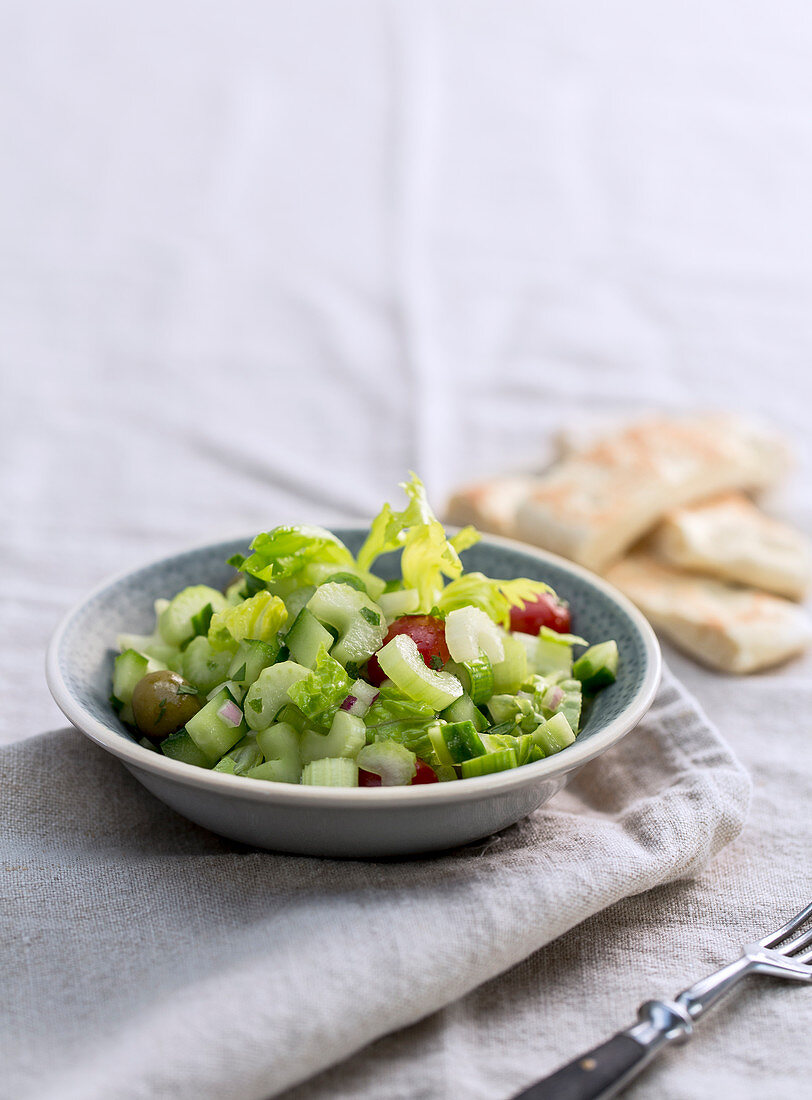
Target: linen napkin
[(144, 957)]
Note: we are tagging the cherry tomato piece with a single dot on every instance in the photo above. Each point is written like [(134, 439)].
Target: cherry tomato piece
[(424, 774), (368, 779), (544, 610), (426, 632)]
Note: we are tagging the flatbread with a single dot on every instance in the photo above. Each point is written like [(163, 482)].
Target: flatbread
[(491, 505), (592, 506), (725, 626), (729, 537)]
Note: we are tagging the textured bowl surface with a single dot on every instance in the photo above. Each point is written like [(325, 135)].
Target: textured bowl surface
[(350, 822)]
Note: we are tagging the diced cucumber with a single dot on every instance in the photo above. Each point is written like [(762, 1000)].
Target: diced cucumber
[(476, 677), (250, 659), (175, 622), (330, 773), (509, 674), (203, 668), (464, 709), (505, 708), (553, 656), (295, 600), (347, 737), (598, 666), (245, 755), (280, 746), (360, 623), (553, 735), (490, 762), (293, 716), (128, 669), (213, 734), (269, 693), (180, 746), (234, 689), (435, 735), (306, 637), (402, 662), (393, 762), (319, 573), (152, 646), (462, 741)]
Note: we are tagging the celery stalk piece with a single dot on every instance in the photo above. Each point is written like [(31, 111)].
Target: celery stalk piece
[(402, 662)]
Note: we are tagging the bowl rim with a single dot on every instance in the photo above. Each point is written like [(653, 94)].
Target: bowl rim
[(258, 790)]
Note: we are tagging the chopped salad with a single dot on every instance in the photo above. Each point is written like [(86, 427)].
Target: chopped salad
[(312, 669)]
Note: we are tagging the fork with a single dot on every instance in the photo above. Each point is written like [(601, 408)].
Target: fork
[(606, 1070)]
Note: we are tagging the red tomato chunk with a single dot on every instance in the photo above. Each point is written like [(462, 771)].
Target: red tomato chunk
[(424, 774), (544, 610), (426, 632)]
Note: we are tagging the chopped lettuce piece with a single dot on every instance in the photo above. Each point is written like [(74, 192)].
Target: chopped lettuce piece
[(319, 695), (258, 618), (285, 551)]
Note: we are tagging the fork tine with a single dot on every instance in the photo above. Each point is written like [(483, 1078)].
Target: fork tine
[(781, 934), (794, 946)]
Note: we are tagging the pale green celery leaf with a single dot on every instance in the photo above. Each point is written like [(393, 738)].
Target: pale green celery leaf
[(494, 597), (258, 619), (286, 550), (319, 694)]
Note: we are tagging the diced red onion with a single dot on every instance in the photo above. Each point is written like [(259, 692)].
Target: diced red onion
[(553, 696), (230, 714), (348, 703), (365, 692)]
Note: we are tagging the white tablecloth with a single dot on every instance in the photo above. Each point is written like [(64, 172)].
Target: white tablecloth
[(258, 261)]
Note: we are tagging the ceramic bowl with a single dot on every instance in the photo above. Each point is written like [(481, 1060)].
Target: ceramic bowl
[(348, 822)]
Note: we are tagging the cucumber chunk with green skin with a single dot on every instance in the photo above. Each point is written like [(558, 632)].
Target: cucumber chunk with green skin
[(403, 663), (245, 755), (475, 676), (279, 744), (306, 637), (597, 667), (180, 746), (175, 621), (347, 737), (553, 656), (360, 623), (491, 762), (330, 773), (213, 731), (553, 735), (202, 667), (251, 658), (464, 709), (129, 668), (462, 741), (269, 693)]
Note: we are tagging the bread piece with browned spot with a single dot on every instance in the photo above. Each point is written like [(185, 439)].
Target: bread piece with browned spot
[(726, 626), (592, 506), (729, 537)]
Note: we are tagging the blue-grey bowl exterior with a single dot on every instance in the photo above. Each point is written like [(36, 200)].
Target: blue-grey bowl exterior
[(347, 822)]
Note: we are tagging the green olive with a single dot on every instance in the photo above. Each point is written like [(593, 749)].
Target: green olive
[(162, 703)]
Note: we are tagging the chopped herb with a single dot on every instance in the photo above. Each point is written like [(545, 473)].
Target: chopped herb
[(255, 704), (436, 662), (372, 617), (200, 622), (161, 709), (211, 664), (240, 673), (186, 689), (236, 560), (436, 613)]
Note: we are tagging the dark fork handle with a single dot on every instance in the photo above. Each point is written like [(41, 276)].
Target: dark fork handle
[(593, 1076)]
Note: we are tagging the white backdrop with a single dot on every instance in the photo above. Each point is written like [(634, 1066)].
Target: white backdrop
[(259, 259)]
